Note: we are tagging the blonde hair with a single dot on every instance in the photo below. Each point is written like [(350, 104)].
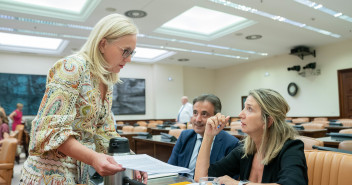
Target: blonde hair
[(274, 108), (19, 105), (111, 28), (3, 118)]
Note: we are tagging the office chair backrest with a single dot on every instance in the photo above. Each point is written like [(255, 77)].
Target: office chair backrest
[(311, 126), (346, 131), (140, 129), (176, 132), (7, 160), (127, 128), (320, 119), (309, 142), (346, 145), (180, 125), (328, 168)]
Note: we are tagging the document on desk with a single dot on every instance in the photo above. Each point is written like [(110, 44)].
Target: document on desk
[(146, 163)]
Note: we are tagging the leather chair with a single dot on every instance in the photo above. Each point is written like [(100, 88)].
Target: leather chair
[(176, 132), (325, 123), (309, 142), (189, 126), (328, 168), (160, 122), (311, 126), (127, 128), (7, 160), (300, 120), (320, 119), (346, 145), (180, 125), (152, 124), (346, 131), (142, 123), (140, 129)]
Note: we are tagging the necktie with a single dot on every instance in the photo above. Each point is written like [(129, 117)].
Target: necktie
[(178, 116), (192, 164)]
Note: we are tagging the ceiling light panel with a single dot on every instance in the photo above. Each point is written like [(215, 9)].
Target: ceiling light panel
[(150, 55), (27, 43), (77, 10), (205, 24), (274, 17)]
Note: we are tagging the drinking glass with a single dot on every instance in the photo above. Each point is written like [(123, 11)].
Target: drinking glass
[(208, 181)]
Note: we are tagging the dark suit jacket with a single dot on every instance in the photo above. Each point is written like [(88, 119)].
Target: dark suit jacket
[(224, 143)]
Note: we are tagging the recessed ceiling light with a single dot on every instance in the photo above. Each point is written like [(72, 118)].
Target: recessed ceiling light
[(150, 55), (183, 59), (253, 37), (33, 44), (136, 13), (205, 24), (110, 9), (77, 10)]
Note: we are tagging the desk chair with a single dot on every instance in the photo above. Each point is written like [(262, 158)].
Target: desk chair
[(127, 128), (235, 128), (7, 160), (189, 126), (176, 132), (320, 119), (328, 168), (300, 120), (346, 145), (325, 123), (142, 123), (152, 125), (180, 125), (308, 126), (309, 142), (346, 131), (140, 129)]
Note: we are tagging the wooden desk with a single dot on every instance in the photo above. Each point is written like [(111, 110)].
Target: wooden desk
[(227, 128), (154, 147), (157, 131), (315, 133), (329, 142), (336, 128)]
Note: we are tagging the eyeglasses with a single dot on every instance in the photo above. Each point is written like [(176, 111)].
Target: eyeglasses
[(126, 52)]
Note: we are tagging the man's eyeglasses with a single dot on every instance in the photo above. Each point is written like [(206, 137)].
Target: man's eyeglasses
[(126, 52)]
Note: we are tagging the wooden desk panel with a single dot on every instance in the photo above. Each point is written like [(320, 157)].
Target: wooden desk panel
[(329, 142), (315, 133), (129, 136), (336, 128), (157, 131)]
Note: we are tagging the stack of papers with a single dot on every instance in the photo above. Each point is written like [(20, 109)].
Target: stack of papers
[(146, 163)]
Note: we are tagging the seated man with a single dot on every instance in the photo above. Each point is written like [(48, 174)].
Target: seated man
[(186, 150)]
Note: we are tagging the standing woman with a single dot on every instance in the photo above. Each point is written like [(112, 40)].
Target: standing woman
[(16, 116), (75, 123), (269, 154)]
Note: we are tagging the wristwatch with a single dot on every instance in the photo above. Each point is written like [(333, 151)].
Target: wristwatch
[(243, 182)]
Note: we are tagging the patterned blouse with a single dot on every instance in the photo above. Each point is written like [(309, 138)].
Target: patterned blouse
[(71, 106)]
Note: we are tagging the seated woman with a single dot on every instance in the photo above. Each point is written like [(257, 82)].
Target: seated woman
[(4, 127), (269, 154)]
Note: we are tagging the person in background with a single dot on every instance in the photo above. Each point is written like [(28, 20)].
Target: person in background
[(16, 116), (4, 127), (186, 149), (74, 124), (185, 112), (269, 154), (2, 110)]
